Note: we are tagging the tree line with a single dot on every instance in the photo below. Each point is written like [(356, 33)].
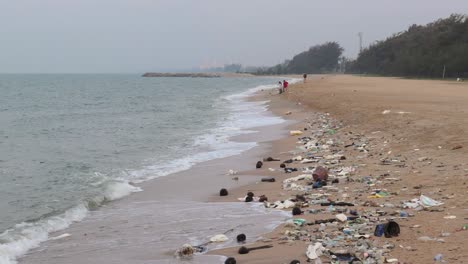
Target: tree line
[(428, 51), (420, 51), (321, 58)]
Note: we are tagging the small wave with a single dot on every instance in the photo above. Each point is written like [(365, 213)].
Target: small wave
[(25, 236), (244, 115), (17, 241)]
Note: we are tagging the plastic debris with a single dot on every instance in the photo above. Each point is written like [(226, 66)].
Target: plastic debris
[(341, 217), (185, 252), (219, 238), (450, 217), (315, 251), (295, 132), (428, 202)]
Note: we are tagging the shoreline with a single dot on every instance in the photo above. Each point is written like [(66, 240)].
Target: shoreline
[(169, 189), (382, 144), (413, 164)]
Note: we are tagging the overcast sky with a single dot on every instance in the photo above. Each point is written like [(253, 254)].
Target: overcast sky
[(117, 36)]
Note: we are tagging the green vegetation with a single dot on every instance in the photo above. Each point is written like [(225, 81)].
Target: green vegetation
[(420, 51), (318, 59)]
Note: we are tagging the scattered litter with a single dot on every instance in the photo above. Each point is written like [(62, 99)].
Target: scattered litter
[(295, 132), (268, 179), (315, 251), (341, 217), (231, 172), (219, 238), (428, 202), (245, 250)]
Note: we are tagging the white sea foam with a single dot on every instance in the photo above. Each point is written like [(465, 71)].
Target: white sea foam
[(25, 236), (245, 115), (116, 190)]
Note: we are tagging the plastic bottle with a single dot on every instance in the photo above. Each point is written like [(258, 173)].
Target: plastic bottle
[(438, 258)]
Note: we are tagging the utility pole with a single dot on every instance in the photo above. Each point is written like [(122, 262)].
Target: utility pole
[(360, 41)]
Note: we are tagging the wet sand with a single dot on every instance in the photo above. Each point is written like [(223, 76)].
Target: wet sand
[(405, 137), (148, 226)]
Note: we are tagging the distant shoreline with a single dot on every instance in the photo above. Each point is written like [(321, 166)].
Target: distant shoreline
[(196, 75)]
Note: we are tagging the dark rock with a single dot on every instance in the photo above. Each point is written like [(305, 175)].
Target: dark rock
[(241, 238), (268, 179), (259, 164), (263, 198), (223, 192), (296, 211), (230, 260)]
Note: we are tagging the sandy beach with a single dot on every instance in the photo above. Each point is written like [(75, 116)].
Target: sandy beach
[(401, 138), (384, 141)]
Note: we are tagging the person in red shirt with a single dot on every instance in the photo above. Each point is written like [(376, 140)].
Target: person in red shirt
[(285, 85)]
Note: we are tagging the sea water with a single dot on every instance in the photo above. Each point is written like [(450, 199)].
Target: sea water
[(69, 143)]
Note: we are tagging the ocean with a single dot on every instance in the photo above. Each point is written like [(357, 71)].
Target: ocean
[(71, 143)]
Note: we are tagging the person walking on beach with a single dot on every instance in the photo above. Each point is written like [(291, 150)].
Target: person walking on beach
[(305, 77), (285, 85), (280, 89)]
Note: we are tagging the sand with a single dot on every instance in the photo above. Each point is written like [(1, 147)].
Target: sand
[(420, 123), (424, 127)]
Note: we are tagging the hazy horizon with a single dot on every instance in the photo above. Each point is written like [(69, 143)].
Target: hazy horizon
[(53, 36)]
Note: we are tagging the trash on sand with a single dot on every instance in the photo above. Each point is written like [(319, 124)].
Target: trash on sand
[(298, 178), (426, 239), (457, 147), (428, 202), (315, 251), (270, 159), (186, 251), (341, 217), (295, 132), (299, 221), (219, 238), (268, 179), (392, 260), (379, 230), (245, 250), (320, 173), (438, 258), (423, 201), (450, 217), (231, 172), (391, 229)]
